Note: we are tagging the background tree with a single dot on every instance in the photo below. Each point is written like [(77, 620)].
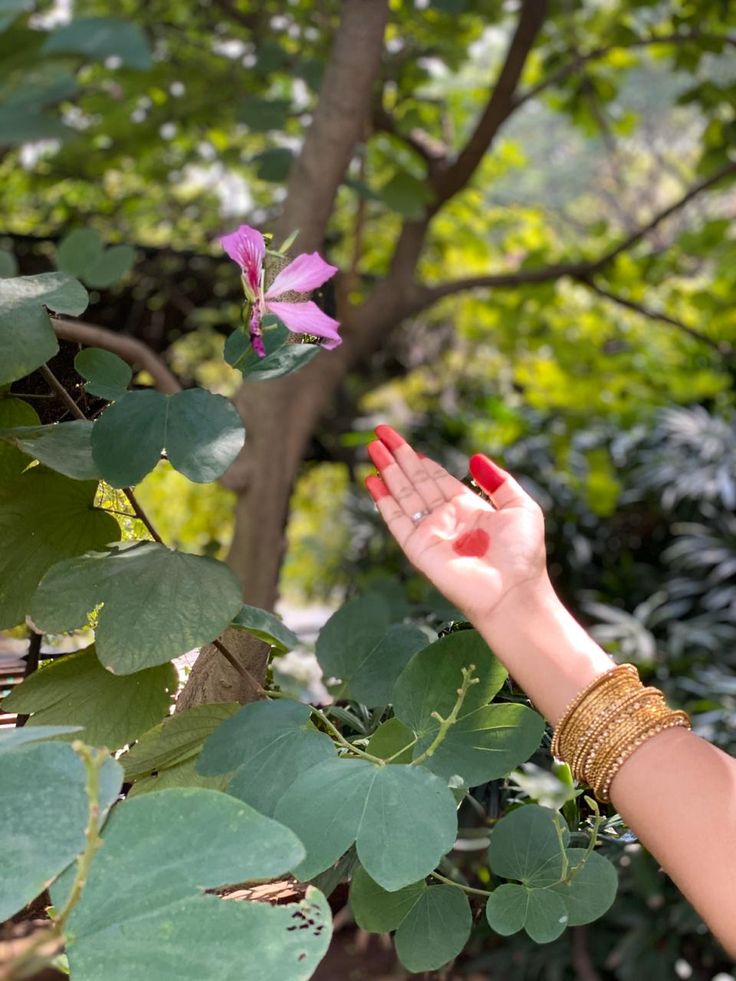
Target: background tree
[(388, 123)]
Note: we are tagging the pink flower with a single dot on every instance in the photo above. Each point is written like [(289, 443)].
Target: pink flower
[(308, 271)]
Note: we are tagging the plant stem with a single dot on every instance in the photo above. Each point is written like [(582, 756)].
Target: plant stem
[(445, 724), (402, 750), (459, 885), (334, 731), (240, 668)]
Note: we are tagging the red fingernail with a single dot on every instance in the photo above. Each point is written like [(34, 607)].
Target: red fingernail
[(487, 474), (380, 455), (422, 456), (376, 488), (390, 437)]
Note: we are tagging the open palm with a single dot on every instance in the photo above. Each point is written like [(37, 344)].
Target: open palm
[(473, 551)]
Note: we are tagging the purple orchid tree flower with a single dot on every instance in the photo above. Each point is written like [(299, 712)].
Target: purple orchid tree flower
[(247, 247)]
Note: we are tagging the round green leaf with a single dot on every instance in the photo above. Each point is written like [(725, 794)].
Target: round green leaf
[(377, 910), (177, 739), (525, 846), (402, 819), (390, 738), (14, 412), (540, 911), (158, 603), (128, 437), (79, 250), (430, 681), (44, 518), (268, 744), (485, 744), (204, 434), (10, 738), (27, 338), (179, 775), (63, 446), (591, 891), (100, 38), (201, 432), (134, 922), (110, 267), (34, 855), (107, 375), (267, 627), (76, 689), (435, 930), (506, 908)]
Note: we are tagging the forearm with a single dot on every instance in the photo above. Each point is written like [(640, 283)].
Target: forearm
[(676, 791)]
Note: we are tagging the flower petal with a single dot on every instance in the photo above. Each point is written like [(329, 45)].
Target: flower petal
[(307, 318), (308, 271), (246, 247), (256, 332)]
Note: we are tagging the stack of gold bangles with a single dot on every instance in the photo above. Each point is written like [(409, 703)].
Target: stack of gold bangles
[(605, 723)]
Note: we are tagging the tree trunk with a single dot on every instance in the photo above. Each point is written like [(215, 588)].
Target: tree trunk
[(281, 415)]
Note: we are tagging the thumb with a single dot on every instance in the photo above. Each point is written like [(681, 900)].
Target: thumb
[(504, 491)]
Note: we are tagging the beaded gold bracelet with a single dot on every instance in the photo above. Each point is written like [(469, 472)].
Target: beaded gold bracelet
[(606, 722)]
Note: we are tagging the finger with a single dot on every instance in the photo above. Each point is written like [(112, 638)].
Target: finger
[(395, 479), (400, 526), (413, 466), (504, 491), (449, 485)]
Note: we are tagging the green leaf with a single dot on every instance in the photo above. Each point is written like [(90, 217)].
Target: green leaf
[(44, 518), (390, 738), (78, 250), (179, 775), (274, 164), (282, 358), (266, 626), (201, 432), (134, 922), (76, 689), (262, 115), (357, 646), (19, 125), (27, 338), (540, 911), (525, 846), (114, 263), (377, 910), (8, 263), (100, 38), (485, 744), (406, 195), (9, 10), (64, 447), (14, 412), (34, 855), (158, 603), (268, 744), (10, 738), (108, 376), (402, 818), (430, 681), (435, 930), (592, 889), (177, 739)]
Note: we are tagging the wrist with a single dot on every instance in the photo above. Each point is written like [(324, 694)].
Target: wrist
[(543, 647)]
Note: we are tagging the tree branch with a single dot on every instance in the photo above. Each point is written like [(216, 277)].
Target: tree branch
[(500, 104), (433, 151), (130, 349), (425, 295), (580, 59), (338, 122), (723, 348)]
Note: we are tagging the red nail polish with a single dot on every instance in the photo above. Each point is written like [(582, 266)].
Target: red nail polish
[(422, 456), (390, 437), (474, 543), (380, 455), (376, 488), (487, 474)]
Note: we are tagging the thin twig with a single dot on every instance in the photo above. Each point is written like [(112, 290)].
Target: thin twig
[(446, 724), (240, 668), (459, 885)]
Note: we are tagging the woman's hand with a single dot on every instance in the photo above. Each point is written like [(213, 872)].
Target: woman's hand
[(475, 553)]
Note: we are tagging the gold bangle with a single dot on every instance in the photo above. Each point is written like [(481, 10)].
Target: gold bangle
[(605, 679), (590, 712), (628, 727), (606, 724)]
